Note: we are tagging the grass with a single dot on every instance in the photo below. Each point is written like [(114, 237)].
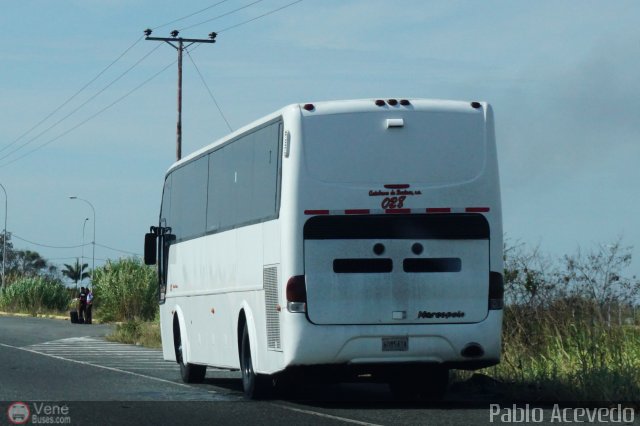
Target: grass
[(558, 353), (568, 353), (144, 333), (568, 349), (35, 296)]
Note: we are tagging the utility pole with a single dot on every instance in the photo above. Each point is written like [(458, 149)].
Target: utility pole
[(178, 43)]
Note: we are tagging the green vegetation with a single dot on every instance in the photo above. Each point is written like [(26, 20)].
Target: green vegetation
[(125, 290), (564, 352), (76, 272), (571, 330), (35, 295), (145, 333), (571, 325)]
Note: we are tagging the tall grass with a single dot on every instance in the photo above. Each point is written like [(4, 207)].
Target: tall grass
[(568, 351), (125, 290), (145, 333), (35, 295)]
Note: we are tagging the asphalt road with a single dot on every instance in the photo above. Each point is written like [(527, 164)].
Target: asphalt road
[(70, 372)]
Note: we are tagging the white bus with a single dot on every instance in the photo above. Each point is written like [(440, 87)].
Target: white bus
[(343, 239)]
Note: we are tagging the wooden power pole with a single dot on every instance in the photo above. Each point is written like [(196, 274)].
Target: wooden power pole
[(178, 43)]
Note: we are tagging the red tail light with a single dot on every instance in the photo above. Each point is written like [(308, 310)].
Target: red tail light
[(496, 291), (297, 294)]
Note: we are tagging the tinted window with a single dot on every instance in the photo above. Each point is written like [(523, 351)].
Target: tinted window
[(165, 209), (232, 186), (242, 189), (265, 179), (243, 180), (221, 180), (189, 199)]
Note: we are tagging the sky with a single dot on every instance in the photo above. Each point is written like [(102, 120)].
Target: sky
[(562, 77)]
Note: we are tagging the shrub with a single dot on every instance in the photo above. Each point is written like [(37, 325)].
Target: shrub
[(35, 295), (569, 328), (125, 290), (138, 333)]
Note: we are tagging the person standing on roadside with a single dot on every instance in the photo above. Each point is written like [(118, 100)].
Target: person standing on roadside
[(82, 304), (89, 305)]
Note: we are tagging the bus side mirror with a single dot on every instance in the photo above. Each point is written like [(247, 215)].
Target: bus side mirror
[(150, 248)]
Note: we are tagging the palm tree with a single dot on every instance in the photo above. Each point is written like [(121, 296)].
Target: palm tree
[(76, 272)]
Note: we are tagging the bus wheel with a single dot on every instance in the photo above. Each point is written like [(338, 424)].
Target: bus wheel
[(256, 386), (191, 373)]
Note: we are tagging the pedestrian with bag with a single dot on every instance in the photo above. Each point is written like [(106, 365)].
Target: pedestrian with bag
[(82, 305), (89, 306)]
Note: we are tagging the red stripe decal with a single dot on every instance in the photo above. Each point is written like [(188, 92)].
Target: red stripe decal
[(397, 186), (316, 212), (476, 209), (397, 211), (357, 211), (439, 210)]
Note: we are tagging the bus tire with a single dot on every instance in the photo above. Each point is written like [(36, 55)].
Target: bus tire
[(190, 373), (255, 386)]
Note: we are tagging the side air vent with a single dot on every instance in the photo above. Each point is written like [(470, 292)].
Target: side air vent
[(270, 283)]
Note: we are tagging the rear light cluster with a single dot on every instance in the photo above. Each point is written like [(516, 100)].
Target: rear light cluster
[(392, 102), (297, 294), (496, 291)]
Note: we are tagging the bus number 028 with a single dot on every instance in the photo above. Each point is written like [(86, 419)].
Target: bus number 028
[(393, 202)]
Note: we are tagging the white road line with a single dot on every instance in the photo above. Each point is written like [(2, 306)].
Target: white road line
[(157, 379), (327, 416), (145, 368), (120, 362), (81, 352)]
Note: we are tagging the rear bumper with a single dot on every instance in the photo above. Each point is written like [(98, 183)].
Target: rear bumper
[(352, 345)]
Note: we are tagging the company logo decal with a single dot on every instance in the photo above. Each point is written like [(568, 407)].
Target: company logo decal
[(395, 195), (427, 314)]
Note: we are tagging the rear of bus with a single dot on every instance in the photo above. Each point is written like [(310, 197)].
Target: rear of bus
[(394, 216)]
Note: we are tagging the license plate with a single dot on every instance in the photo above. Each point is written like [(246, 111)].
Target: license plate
[(395, 344)]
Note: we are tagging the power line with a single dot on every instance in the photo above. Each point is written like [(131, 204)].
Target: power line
[(118, 250), (260, 16), (90, 117), (226, 29), (178, 44), (62, 105), (72, 257), (122, 75), (209, 90), (13, 235), (221, 16), (189, 15), (80, 106)]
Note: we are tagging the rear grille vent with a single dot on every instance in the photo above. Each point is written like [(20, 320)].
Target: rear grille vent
[(270, 283), (444, 264), (362, 266)]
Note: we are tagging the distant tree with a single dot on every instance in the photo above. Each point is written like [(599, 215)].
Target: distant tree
[(30, 263), (530, 278), (10, 254), (599, 274), (76, 272), (24, 263)]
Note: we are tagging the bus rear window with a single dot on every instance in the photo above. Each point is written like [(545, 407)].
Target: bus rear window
[(432, 148)]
